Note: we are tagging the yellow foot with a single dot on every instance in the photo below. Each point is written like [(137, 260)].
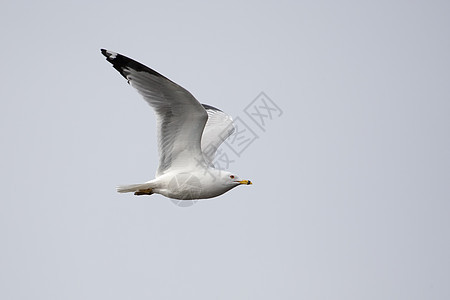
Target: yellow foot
[(143, 192)]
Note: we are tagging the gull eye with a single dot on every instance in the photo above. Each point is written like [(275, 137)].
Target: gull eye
[(232, 176)]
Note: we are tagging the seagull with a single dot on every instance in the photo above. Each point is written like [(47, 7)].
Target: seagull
[(189, 134)]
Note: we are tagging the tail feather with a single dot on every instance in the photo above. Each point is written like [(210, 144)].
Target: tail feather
[(133, 187)]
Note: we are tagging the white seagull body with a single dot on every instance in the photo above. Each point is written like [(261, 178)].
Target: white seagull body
[(189, 134)]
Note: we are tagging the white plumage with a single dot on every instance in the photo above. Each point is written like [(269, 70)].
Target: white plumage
[(189, 134)]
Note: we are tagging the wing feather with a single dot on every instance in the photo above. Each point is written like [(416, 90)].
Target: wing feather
[(180, 117), (217, 129)]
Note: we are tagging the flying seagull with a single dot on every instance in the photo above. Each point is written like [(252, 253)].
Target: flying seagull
[(189, 134)]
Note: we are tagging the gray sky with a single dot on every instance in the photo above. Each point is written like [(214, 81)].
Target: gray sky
[(351, 183)]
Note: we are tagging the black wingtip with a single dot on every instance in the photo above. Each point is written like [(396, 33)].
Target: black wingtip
[(121, 63), (110, 55), (206, 106)]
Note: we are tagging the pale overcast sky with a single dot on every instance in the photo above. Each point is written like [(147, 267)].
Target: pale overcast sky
[(351, 172)]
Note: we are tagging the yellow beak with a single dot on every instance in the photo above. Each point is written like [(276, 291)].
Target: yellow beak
[(247, 182)]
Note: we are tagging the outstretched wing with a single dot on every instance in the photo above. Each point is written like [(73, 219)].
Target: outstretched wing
[(217, 129), (180, 117)]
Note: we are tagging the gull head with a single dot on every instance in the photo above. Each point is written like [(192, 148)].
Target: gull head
[(220, 182), (231, 179)]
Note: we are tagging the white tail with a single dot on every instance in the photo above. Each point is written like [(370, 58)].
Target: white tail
[(133, 187)]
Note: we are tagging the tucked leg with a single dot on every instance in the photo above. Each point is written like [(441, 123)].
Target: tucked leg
[(143, 192)]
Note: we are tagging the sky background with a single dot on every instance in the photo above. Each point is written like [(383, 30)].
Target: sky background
[(351, 194)]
